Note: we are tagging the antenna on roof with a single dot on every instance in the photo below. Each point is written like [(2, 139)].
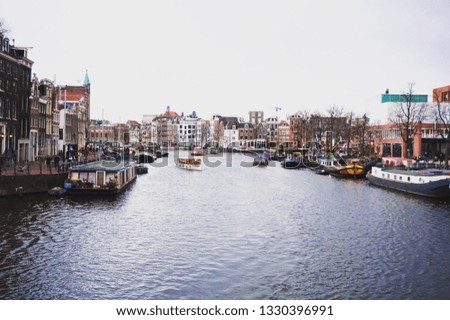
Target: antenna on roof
[(276, 111)]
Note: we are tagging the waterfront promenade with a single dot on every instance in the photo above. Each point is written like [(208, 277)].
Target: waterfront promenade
[(32, 177), (31, 168)]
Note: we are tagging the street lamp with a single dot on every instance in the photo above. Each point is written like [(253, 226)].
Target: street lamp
[(10, 141), (278, 131), (2, 136)]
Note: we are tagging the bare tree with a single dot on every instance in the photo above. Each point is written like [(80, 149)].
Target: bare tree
[(218, 133), (302, 127), (349, 130), (407, 116), (375, 132), (443, 117), (335, 125), (3, 28)]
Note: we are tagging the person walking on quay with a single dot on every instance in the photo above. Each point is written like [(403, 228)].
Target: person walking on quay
[(56, 162), (48, 162)]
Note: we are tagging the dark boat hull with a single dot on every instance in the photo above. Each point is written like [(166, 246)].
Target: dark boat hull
[(436, 189), (99, 191), (141, 169), (290, 164), (347, 174)]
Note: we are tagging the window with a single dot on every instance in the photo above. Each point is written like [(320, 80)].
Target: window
[(13, 110), (7, 114)]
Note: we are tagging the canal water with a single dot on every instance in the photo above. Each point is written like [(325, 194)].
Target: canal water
[(228, 232)]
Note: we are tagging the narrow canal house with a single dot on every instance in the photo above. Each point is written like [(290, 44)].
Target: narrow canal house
[(15, 80)]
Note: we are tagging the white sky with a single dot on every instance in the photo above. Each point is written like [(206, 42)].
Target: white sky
[(230, 57)]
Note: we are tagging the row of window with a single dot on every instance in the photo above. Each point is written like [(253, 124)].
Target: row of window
[(13, 70), (8, 109), (399, 178)]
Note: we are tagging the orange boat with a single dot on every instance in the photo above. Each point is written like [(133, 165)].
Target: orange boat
[(353, 170)]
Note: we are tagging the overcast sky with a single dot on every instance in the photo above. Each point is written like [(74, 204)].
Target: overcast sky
[(229, 57)]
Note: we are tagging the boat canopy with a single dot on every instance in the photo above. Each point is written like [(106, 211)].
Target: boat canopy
[(103, 165)]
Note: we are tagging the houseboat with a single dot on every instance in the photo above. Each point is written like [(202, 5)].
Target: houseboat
[(330, 163), (431, 183), (190, 163), (100, 177)]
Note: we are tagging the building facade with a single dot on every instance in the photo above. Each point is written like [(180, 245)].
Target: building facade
[(15, 88), (74, 108), (430, 140), (255, 117)]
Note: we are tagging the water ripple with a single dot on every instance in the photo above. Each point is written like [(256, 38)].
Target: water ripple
[(227, 233)]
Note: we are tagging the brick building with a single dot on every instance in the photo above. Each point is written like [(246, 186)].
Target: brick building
[(441, 94), (73, 103), (15, 75)]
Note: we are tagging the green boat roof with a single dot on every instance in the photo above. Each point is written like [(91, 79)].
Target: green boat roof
[(103, 165)]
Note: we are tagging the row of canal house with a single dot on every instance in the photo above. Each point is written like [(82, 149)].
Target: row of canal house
[(38, 119), (59, 120), (171, 129)]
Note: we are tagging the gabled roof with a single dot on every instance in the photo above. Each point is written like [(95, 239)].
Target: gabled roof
[(243, 125), (170, 114), (228, 122)]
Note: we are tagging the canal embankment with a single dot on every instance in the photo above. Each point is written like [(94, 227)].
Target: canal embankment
[(34, 178)]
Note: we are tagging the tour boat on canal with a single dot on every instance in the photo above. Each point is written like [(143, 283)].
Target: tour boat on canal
[(194, 164), (433, 183), (100, 178)]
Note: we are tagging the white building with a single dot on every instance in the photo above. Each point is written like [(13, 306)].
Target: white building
[(189, 133)]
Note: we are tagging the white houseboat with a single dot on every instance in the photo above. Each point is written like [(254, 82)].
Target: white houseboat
[(432, 183), (100, 177)]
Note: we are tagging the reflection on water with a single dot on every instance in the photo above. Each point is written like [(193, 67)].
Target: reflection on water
[(228, 232)]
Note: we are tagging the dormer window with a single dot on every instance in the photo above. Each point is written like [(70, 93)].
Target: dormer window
[(6, 44)]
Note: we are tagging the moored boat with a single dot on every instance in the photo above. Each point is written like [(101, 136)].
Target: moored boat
[(141, 169), (290, 163), (353, 170), (144, 157), (57, 191), (261, 160), (197, 151), (329, 164), (431, 183), (100, 178), (194, 164)]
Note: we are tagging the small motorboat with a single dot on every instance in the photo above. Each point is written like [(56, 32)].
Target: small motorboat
[(57, 191), (141, 169)]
